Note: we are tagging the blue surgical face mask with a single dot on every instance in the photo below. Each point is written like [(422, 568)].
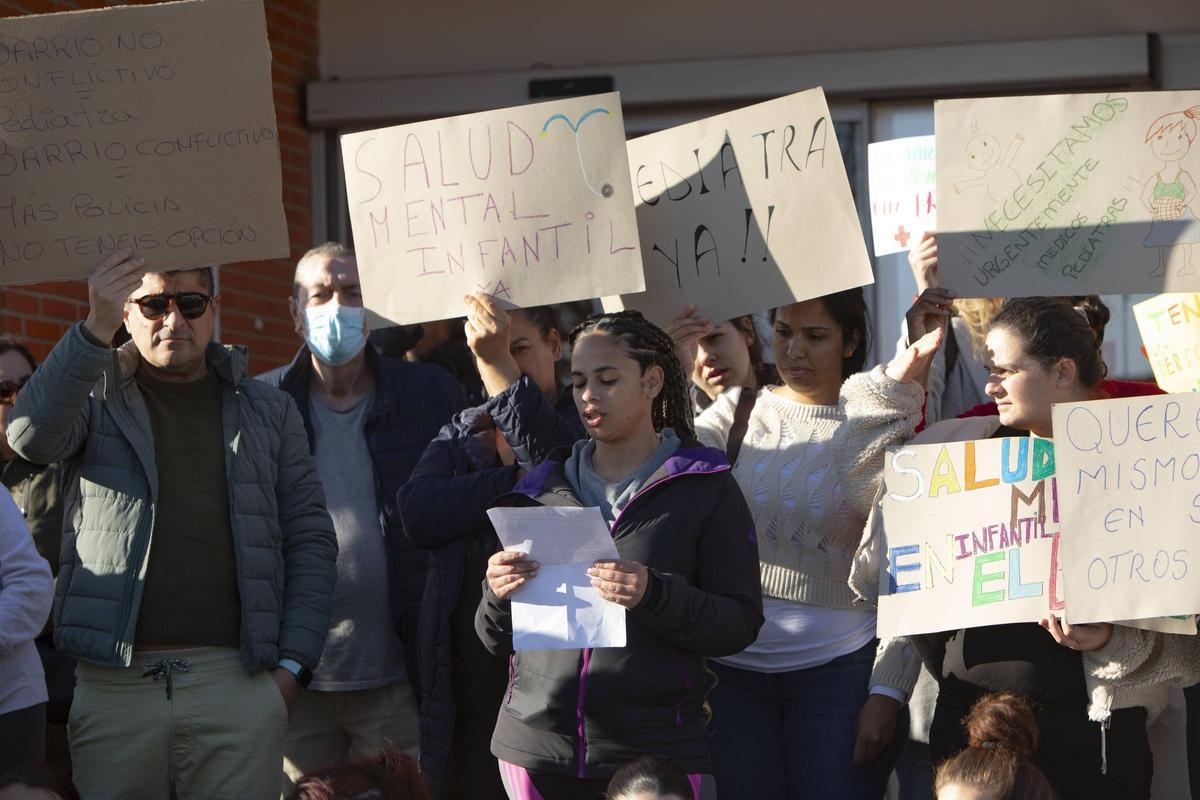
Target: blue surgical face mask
[(335, 333)]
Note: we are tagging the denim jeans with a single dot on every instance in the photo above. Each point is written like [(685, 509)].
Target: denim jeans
[(790, 735)]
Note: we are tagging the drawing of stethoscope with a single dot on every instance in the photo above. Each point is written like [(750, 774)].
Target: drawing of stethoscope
[(604, 191)]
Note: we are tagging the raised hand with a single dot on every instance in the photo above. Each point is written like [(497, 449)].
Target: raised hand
[(923, 262), (489, 330), (109, 286), (912, 364), (686, 330), (930, 310)]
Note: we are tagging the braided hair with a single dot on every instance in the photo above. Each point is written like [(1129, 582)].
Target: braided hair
[(648, 344)]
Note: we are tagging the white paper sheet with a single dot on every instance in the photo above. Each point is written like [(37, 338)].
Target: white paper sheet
[(559, 609)]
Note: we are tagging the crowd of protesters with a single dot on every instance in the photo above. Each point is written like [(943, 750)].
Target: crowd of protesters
[(287, 585)]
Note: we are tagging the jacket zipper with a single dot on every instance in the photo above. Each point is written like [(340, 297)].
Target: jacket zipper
[(581, 741), (230, 455), (512, 677)]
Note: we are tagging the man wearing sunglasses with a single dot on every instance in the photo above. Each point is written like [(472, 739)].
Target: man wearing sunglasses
[(198, 562), (369, 419)]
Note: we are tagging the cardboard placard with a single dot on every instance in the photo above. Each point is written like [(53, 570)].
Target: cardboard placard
[(1069, 194), (529, 204), (901, 174), (971, 535), (1170, 328), (151, 127), (744, 211), (1129, 485)]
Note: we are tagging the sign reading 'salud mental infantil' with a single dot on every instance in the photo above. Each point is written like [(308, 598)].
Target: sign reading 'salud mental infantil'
[(531, 205), (972, 533), (148, 127)]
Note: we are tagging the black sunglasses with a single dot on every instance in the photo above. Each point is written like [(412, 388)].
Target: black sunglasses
[(190, 304), (9, 389)]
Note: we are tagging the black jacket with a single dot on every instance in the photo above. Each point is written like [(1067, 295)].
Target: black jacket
[(443, 508), (587, 712), (411, 403)]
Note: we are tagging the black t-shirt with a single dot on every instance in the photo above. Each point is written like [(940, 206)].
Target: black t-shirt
[(1021, 657)]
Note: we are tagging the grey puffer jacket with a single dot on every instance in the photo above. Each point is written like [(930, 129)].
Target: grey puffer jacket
[(84, 408)]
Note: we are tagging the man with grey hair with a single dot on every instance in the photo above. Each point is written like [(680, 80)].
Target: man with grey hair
[(197, 557), (368, 420)]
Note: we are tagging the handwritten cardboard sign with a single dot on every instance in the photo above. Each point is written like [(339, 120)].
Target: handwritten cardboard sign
[(901, 177), (1129, 485), (1170, 328), (744, 211), (1069, 194), (972, 535), (530, 204), (151, 127)]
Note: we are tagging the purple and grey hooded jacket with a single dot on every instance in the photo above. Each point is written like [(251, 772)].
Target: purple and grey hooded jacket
[(587, 712)]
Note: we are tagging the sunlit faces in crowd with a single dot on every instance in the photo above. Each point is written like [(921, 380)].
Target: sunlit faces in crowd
[(536, 351), (811, 349), (15, 370), (723, 357), (612, 392), (170, 318)]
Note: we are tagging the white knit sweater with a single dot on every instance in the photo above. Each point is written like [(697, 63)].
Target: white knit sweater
[(810, 474)]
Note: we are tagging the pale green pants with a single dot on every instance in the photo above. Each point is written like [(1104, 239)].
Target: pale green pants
[(219, 735)]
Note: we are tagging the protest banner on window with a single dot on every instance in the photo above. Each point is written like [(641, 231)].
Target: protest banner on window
[(531, 205), (1069, 194), (149, 127), (1129, 485), (744, 211), (1170, 328), (900, 173), (972, 535)]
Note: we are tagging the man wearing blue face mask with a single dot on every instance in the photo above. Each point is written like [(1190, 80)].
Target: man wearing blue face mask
[(368, 420)]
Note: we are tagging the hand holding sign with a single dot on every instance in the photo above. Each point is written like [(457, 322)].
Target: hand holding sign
[(686, 330), (109, 288), (1087, 637), (931, 310), (912, 364)]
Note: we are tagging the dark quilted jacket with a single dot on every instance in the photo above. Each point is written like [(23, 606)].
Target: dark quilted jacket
[(411, 403), (443, 508), (83, 407)]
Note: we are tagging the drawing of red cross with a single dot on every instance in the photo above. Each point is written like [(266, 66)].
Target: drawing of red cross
[(902, 236)]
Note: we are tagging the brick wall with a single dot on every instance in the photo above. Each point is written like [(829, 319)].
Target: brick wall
[(254, 294)]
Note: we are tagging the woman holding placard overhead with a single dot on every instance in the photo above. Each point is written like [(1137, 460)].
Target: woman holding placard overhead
[(687, 574), (810, 709), (1042, 351)]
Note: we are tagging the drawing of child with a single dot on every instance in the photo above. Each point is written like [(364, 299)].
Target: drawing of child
[(1169, 194)]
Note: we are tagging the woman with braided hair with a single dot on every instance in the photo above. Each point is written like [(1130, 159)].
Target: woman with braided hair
[(687, 573)]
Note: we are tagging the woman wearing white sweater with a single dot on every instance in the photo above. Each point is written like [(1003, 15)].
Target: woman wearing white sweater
[(809, 709)]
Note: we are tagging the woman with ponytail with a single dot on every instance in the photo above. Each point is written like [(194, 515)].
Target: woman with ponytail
[(687, 573), (1042, 351), (1002, 737)]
